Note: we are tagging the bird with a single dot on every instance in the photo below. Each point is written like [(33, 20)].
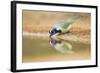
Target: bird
[(63, 26)]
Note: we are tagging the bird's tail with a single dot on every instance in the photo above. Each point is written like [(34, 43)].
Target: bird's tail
[(73, 19)]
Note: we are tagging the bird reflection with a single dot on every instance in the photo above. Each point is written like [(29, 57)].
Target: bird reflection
[(61, 46)]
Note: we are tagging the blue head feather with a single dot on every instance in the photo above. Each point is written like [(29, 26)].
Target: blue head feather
[(54, 31)]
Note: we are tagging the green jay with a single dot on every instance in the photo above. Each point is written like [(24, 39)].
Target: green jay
[(63, 26)]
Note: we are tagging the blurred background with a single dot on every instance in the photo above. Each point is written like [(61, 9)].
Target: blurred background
[(42, 21)]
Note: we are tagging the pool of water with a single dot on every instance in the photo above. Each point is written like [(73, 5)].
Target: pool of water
[(43, 49)]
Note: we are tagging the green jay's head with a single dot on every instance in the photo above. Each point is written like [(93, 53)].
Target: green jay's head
[(54, 31)]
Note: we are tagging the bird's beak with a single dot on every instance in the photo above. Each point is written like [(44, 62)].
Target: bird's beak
[(50, 34)]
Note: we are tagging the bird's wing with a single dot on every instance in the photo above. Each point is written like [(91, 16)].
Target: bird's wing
[(65, 23)]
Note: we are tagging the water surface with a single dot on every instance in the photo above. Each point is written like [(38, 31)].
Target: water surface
[(43, 49)]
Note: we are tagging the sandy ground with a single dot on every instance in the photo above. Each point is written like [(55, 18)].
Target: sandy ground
[(43, 21)]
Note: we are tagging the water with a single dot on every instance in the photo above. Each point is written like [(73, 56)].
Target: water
[(43, 49)]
